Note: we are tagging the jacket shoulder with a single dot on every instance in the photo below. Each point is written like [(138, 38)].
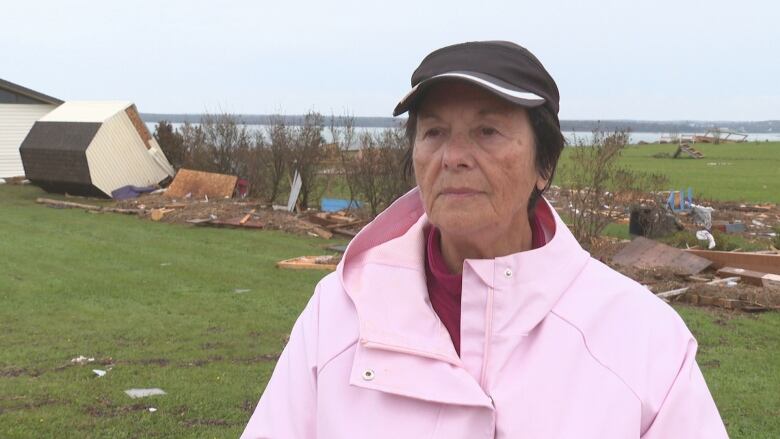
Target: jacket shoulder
[(337, 323), (627, 329)]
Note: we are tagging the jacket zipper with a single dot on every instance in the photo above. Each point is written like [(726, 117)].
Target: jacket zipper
[(488, 334)]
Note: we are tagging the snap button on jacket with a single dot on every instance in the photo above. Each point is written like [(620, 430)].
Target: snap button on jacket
[(554, 344)]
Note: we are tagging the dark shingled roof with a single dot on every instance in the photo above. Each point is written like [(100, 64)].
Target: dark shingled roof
[(55, 154), (24, 91)]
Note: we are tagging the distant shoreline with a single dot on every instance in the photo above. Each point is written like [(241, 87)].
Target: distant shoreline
[(635, 126)]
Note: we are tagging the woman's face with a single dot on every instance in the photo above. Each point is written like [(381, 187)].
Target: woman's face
[(473, 160)]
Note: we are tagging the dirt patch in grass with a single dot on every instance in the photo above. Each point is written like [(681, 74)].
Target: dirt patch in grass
[(206, 422), (105, 408)]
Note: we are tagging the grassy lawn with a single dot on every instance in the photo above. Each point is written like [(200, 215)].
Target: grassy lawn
[(160, 302), (733, 172)]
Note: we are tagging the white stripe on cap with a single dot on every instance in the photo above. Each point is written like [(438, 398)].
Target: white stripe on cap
[(513, 93)]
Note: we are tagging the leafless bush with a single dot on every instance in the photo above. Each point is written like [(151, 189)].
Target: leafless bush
[(279, 143), (226, 140), (377, 168), (343, 134), (600, 191), (307, 151)]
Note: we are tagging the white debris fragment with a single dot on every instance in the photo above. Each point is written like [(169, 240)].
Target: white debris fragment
[(141, 393), (99, 372), (82, 360), (152, 409)]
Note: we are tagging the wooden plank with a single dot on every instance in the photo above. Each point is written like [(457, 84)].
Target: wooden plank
[(647, 254), (305, 263), (201, 184), (771, 282), (66, 204), (747, 261), (747, 276)]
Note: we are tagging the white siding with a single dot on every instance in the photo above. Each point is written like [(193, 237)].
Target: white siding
[(86, 111), (118, 157), (15, 122)]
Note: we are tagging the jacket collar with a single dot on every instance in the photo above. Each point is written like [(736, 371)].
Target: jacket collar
[(383, 273)]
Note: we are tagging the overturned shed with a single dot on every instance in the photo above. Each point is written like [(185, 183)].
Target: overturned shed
[(20, 107), (92, 148)]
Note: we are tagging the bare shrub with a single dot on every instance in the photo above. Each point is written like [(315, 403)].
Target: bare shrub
[(377, 168), (278, 153), (307, 151), (342, 131), (600, 191)]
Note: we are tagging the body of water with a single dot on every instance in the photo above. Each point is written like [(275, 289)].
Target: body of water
[(571, 136)]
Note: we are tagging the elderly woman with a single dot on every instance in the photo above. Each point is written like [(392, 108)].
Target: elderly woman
[(467, 309)]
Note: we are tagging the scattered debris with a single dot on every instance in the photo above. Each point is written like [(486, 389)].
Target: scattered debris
[(142, 393), (704, 235), (311, 263), (198, 184), (728, 227), (99, 372), (130, 191), (336, 204), (767, 263), (688, 150), (81, 360), (152, 409), (647, 254), (90, 207), (241, 290), (295, 190)]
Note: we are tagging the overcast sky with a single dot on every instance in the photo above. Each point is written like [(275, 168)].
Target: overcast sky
[(654, 60)]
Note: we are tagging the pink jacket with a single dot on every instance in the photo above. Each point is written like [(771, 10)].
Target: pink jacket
[(554, 344)]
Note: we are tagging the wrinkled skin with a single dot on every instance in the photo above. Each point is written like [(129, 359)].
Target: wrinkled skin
[(474, 163)]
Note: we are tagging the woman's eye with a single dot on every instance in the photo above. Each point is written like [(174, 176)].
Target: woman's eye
[(432, 132), (488, 131)]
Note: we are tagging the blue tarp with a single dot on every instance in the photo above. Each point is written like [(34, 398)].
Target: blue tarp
[(125, 192), (336, 204)]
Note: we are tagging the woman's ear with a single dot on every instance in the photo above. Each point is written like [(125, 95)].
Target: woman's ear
[(541, 183)]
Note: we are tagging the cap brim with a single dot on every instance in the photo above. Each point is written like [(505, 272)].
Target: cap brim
[(501, 88)]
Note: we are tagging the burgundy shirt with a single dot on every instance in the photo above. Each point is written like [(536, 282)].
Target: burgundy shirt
[(444, 287)]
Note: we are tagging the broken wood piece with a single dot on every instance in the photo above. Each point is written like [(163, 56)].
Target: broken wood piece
[(306, 263), (158, 214), (322, 233), (771, 282), (349, 224), (747, 261), (345, 232), (237, 222), (246, 217), (747, 276), (66, 204), (672, 293), (679, 291), (647, 254)]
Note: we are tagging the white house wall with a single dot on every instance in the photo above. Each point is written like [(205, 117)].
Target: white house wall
[(15, 122), (118, 157)]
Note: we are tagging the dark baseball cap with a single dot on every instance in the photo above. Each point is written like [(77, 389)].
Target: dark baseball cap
[(501, 67)]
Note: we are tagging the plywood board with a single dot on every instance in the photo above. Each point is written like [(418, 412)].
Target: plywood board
[(647, 254), (747, 261), (201, 184)]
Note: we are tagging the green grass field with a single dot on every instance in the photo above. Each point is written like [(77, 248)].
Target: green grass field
[(732, 172), (160, 302)]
